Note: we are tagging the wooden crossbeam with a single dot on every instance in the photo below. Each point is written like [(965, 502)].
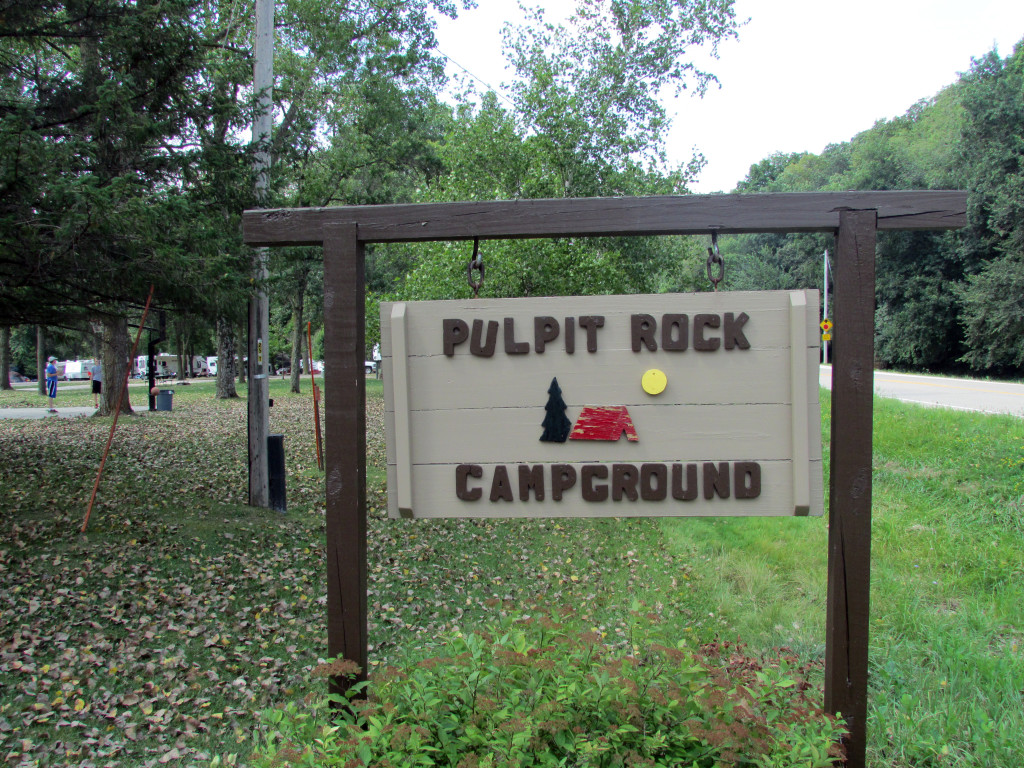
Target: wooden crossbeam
[(608, 216)]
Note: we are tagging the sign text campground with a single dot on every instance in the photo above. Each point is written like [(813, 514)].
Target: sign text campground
[(603, 406)]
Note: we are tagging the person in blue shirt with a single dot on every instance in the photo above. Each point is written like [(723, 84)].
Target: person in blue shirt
[(51, 382)]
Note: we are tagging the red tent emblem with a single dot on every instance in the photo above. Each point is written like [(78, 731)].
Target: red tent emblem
[(604, 423)]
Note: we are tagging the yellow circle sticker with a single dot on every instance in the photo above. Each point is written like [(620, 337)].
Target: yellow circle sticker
[(654, 382)]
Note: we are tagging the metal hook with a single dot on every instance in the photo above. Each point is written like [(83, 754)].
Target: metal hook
[(477, 263), (713, 259)]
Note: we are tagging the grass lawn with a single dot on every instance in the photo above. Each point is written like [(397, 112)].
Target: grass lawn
[(157, 637)]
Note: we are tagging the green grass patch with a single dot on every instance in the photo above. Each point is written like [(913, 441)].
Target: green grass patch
[(181, 614), (947, 671)]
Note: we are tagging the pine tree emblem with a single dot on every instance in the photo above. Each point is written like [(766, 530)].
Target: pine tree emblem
[(556, 424)]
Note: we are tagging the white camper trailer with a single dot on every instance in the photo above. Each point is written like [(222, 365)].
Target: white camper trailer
[(166, 366), (72, 370)]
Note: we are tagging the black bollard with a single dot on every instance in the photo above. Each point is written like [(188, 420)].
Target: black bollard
[(275, 468)]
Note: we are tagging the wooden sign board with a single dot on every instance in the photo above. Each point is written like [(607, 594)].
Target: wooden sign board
[(604, 406)]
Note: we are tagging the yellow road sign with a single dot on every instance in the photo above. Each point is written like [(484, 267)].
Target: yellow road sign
[(826, 337), (826, 325)]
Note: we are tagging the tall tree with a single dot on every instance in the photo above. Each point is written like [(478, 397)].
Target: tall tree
[(116, 347), (94, 130), (225, 359), (992, 145), (5, 357), (588, 92), (585, 119)]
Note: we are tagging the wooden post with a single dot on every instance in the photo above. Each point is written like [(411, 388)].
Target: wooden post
[(345, 427), (849, 532)]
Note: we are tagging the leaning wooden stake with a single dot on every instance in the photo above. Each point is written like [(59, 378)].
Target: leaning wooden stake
[(316, 398), (120, 400)]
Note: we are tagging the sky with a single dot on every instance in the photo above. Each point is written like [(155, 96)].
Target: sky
[(802, 75)]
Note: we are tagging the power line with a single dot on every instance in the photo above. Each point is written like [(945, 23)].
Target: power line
[(483, 82)]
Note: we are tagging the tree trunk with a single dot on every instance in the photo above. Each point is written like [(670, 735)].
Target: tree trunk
[(179, 339), (298, 337), (225, 360), (41, 360), (5, 358), (116, 348)]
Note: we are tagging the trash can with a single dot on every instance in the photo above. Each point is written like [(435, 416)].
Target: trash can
[(275, 473), (164, 399)]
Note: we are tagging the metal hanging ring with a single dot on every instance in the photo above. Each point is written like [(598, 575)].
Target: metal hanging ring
[(477, 263), (715, 259)]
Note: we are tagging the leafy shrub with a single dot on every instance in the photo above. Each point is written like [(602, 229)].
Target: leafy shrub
[(536, 696)]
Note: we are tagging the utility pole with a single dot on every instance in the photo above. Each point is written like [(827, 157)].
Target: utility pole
[(259, 307)]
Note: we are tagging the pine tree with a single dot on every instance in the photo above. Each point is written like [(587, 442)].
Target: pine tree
[(556, 424)]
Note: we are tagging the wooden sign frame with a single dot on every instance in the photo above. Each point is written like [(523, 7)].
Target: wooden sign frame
[(853, 217)]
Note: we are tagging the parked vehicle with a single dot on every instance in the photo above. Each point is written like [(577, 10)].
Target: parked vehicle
[(167, 366), (75, 370)]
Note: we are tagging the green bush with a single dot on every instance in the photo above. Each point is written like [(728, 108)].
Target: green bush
[(537, 696)]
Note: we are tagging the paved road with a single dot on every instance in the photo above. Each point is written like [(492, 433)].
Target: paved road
[(43, 413), (70, 412), (943, 392)]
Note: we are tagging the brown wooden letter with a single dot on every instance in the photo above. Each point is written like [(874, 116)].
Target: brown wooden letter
[(476, 344), (716, 479), (677, 326), (590, 323), (653, 482), (733, 332), (531, 478), (642, 328), (501, 488), (570, 335), (513, 347), (679, 491), (563, 477), (455, 332), (624, 480), (700, 342), (747, 480), (462, 474), (545, 329), (590, 493)]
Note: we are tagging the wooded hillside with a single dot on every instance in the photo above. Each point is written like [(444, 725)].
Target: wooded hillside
[(944, 301)]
